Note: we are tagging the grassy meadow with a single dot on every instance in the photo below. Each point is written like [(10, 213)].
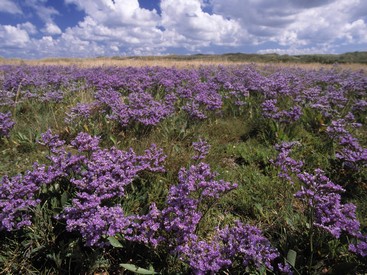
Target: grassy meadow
[(147, 166)]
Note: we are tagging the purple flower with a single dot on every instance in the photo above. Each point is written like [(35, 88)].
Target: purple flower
[(351, 151), (202, 256), (247, 243), (82, 110), (285, 268), (360, 247), (51, 141), (153, 159), (146, 228), (239, 242), (197, 187), (322, 196), (95, 222), (53, 96), (271, 110), (337, 129), (6, 124), (18, 197), (285, 163), (84, 142), (201, 148), (100, 184)]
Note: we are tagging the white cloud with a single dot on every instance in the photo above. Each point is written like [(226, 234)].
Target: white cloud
[(298, 51), (45, 13), (51, 28), (9, 7), (355, 32), (123, 27), (119, 24), (183, 24), (300, 24), (118, 12), (13, 37), (28, 27), (188, 25)]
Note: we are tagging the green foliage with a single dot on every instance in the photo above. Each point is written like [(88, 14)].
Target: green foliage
[(242, 147), (137, 270)]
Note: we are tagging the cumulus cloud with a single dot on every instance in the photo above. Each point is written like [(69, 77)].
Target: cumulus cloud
[(117, 12), (124, 27), (9, 6), (45, 13), (13, 37), (28, 27), (355, 32), (297, 51), (51, 28), (298, 24), (187, 24), (181, 24), (117, 25)]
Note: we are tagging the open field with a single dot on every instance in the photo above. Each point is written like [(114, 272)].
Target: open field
[(182, 166), (193, 61)]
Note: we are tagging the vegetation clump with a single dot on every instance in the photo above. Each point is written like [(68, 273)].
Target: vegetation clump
[(216, 169)]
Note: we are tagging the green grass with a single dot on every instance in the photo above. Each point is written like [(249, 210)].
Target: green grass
[(242, 146)]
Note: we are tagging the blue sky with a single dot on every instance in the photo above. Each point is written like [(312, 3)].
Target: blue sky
[(80, 28)]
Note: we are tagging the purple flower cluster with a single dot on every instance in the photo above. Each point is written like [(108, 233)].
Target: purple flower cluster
[(95, 222), (240, 243), (18, 194), (285, 163), (16, 200), (247, 243), (323, 198), (201, 148), (18, 197), (204, 257), (99, 177), (51, 141), (145, 109), (81, 110), (329, 213), (100, 184), (85, 143), (337, 129), (351, 151), (147, 228), (53, 96), (197, 187), (137, 106), (7, 98), (6, 124), (271, 110), (360, 247), (201, 99)]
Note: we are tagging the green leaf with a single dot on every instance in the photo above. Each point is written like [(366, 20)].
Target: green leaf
[(291, 257), (64, 198), (137, 270), (114, 242), (113, 139)]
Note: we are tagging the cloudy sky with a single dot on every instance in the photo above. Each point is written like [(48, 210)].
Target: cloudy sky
[(89, 28)]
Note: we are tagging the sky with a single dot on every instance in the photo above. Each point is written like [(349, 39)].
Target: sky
[(33, 29)]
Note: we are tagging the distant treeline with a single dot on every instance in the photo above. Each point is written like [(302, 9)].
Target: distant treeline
[(350, 57)]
